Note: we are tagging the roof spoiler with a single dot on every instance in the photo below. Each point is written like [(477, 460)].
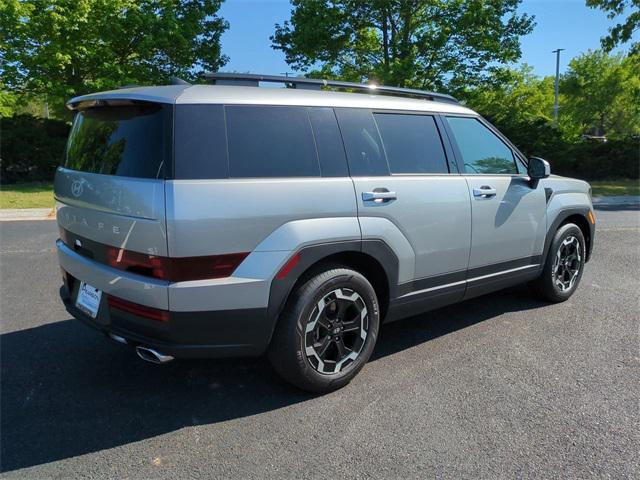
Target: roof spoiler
[(254, 80)]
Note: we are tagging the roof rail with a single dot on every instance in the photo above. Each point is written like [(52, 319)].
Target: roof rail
[(253, 80)]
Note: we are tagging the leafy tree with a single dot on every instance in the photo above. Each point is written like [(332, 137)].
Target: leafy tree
[(621, 32), (512, 95), (64, 48), (520, 104), (7, 103), (601, 93), (417, 43)]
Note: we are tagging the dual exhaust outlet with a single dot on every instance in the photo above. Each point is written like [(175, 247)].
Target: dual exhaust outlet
[(145, 353)]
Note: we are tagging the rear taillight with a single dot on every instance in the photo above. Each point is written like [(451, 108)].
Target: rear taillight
[(64, 236), (134, 262), (200, 268), (175, 269), (137, 309)]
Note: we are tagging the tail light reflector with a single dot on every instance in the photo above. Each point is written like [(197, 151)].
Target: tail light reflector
[(137, 309), (287, 267)]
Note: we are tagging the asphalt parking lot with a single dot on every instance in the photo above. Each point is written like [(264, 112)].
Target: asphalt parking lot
[(499, 386)]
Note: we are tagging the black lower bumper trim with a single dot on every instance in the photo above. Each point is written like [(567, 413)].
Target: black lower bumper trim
[(216, 334)]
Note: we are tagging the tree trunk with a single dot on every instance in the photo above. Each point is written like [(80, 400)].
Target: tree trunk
[(385, 41)]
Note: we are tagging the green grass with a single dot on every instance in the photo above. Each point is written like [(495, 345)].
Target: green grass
[(615, 187), (26, 195)]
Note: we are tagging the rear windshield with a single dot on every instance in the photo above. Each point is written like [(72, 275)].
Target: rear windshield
[(127, 141)]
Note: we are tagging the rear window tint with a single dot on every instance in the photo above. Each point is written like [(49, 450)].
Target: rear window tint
[(265, 141), (124, 140), (333, 162), (200, 142), (362, 142), (412, 143)]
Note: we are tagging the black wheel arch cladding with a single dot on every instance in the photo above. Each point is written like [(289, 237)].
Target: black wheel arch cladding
[(312, 255)]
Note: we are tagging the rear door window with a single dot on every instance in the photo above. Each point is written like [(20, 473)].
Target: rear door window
[(126, 141), (270, 141), (412, 143), (482, 151)]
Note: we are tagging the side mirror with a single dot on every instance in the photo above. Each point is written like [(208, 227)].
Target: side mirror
[(538, 168)]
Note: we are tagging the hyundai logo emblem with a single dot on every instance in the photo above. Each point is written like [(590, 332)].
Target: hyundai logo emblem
[(77, 188)]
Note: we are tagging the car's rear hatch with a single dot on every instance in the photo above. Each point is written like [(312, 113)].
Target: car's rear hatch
[(111, 188), (110, 196)]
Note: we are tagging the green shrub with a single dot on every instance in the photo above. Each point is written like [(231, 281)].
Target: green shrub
[(617, 158), (586, 159), (31, 148)]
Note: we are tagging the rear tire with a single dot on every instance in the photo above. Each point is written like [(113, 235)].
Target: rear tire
[(563, 266), (327, 331)]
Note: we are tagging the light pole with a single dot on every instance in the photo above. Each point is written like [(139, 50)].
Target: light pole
[(555, 104)]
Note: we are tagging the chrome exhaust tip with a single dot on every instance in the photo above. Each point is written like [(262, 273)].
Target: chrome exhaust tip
[(150, 355)]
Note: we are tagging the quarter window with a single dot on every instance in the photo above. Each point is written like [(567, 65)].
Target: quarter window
[(267, 141), (412, 143), (362, 142), (482, 151), (201, 144)]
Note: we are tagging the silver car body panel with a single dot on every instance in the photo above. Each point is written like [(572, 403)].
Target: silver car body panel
[(271, 218), (509, 225), (380, 228), (233, 95), (567, 193), (118, 211), (122, 212), (135, 288), (209, 217), (432, 213), (250, 284)]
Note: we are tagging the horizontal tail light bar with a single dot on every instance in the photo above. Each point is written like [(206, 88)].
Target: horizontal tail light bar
[(137, 309), (175, 269)]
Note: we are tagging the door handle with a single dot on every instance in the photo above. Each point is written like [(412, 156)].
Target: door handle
[(484, 191), (379, 196)]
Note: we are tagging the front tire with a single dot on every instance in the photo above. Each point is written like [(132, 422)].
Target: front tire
[(563, 266), (327, 331)]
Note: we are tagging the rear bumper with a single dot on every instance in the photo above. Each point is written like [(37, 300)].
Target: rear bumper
[(218, 318), (217, 334)]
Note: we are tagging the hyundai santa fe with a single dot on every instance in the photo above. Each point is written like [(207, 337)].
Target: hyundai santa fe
[(229, 219)]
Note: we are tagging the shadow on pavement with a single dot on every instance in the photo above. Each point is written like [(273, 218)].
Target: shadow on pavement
[(67, 391)]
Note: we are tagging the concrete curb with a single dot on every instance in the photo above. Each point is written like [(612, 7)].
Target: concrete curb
[(20, 214), (617, 200)]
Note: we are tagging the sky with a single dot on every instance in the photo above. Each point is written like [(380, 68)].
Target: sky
[(567, 24)]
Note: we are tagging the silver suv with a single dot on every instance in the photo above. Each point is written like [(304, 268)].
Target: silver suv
[(229, 220)]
